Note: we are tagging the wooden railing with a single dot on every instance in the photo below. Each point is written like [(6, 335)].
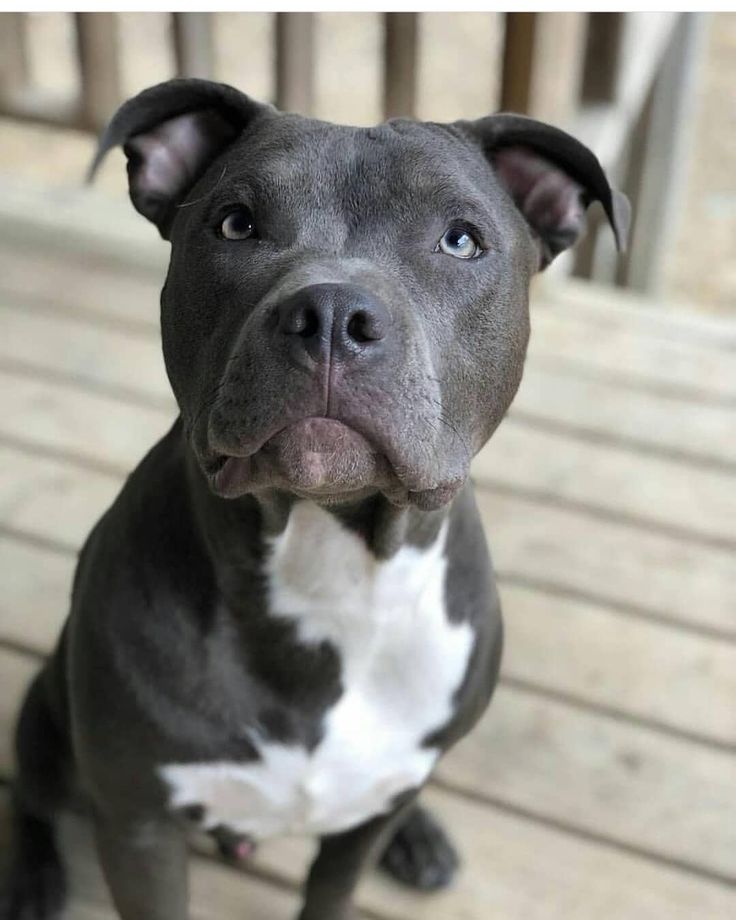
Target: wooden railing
[(622, 82)]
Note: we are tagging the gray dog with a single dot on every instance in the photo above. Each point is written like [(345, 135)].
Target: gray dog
[(289, 614)]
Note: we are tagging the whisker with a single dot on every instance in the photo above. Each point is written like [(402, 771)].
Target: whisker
[(188, 204)]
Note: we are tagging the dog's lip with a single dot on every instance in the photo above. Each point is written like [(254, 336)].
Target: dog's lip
[(230, 471)]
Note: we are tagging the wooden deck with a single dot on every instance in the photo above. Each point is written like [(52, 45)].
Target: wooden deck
[(602, 782)]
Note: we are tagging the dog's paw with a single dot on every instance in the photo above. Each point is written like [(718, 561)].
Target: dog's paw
[(420, 854)]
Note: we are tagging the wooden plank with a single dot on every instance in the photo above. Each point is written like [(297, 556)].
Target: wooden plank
[(602, 411), (573, 872), (51, 500), (194, 45), (607, 309), (99, 63), (83, 225), (100, 293), (684, 682), (95, 357), (401, 64), (49, 107), (606, 347), (625, 783), (295, 67), (637, 572), (656, 493), (109, 435), (37, 585)]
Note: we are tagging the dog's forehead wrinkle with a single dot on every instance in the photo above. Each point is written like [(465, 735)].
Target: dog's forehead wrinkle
[(333, 170)]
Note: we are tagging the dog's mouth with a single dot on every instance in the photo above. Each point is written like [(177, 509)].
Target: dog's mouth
[(314, 455), (328, 460)]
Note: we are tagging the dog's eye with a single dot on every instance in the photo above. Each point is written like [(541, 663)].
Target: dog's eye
[(238, 225), (459, 243)]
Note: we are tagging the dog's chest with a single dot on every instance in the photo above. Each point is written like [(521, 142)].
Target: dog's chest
[(401, 662)]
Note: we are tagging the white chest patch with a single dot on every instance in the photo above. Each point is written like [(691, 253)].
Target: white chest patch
[(402, 660)]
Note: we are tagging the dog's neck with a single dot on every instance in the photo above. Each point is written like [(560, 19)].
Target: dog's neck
[(236, 530)]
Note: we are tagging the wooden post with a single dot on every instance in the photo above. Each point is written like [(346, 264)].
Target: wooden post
[(194, 45), (14, 66), (295, 62), (518, 62), (542, 64), (400, 68), (99, 64), (658, 191), (602, 57)]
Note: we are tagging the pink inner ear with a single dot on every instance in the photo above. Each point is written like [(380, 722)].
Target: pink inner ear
[(169, 157), (549, 199)]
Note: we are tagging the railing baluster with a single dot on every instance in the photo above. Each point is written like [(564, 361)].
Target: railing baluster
[(14, 65), (194, 45), (602, 57), (295, 62), (99, 63), (518, 62), (657, 195), (543, 63), (401, 64)]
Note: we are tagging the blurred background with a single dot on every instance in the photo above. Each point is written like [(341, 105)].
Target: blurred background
[(653, 93), (602, 781)]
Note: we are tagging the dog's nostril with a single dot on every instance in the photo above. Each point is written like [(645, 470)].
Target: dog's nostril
[(308, 323), (357, 327)]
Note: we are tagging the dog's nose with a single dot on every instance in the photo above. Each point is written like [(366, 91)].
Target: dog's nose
[(337, 320)]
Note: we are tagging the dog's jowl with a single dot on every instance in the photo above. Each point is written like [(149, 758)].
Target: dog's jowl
[(289, 613)]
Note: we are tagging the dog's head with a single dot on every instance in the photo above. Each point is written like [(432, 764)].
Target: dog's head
[(346, 308)]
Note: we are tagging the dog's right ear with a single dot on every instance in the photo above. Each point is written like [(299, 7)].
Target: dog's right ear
[(170, 134)]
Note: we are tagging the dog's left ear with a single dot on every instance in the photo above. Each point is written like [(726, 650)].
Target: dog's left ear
[(170, 134), (551, 177)]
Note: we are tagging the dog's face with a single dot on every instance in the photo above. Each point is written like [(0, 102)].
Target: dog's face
[(346, 308)]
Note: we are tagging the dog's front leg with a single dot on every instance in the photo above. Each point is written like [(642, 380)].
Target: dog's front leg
[(339, 863), (146, 867)]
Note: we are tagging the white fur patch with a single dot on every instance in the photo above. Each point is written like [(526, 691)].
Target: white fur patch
[(402, 660)]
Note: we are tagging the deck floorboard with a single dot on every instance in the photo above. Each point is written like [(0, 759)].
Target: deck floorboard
[(601, 781)]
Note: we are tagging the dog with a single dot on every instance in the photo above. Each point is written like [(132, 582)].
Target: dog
[(289, 613)]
